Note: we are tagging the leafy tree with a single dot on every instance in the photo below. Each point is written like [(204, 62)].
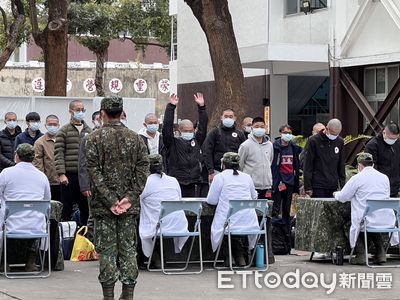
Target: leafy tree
[(13, 34)]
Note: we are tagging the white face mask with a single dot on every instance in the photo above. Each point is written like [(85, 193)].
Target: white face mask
[(390, 141), (247, 129), (228, 122)]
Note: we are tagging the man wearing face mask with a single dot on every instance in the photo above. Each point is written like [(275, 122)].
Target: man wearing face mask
[(44, 155), (66, 151), (285, 171), (324, 166), (246, 126), (183, 153), (385, 149), (225, 138), (96, 120), (256, 155), (150, 134), (32, 133), (7, 140)]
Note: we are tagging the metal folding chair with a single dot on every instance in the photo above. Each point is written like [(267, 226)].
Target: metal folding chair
[(16, 206), (168, 207), (371, 206), (234, 207)]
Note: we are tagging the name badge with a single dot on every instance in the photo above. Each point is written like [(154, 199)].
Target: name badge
[(234, 134), (193, 143)]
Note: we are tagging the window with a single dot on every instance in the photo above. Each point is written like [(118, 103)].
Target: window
[(293, 6)]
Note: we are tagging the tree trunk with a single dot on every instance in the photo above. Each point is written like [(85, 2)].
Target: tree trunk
[(215, 20), (12, 34), (56, 50), (101, 55)]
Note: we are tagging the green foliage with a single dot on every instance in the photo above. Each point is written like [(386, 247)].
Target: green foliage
[(349, 138), (300, 141), (350, 171)]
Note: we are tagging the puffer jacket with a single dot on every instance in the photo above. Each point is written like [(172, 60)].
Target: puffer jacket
[(7, 141), (66, 148)]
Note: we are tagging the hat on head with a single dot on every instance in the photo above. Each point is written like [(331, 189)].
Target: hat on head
[(363, 156), (25, 152), (155, 159), (231, 158), (112, 103)]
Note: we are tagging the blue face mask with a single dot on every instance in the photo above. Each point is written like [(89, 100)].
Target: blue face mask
[(259, 132), (331, 137), (287, 137), (187, 136), (152, 128), (228, 122), (52, 130), (11, 124), (35, 126), (79, 115)]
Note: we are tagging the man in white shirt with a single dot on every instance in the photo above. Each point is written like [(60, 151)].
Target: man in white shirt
[(151, 135), (24, 182), (367, 184)]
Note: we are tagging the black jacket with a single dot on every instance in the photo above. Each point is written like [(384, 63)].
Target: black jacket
[(386, 160), (324, 166), (219, 141), (7, 147), (184, 157)]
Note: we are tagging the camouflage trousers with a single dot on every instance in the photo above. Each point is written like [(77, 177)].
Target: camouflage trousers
[(115, 239)]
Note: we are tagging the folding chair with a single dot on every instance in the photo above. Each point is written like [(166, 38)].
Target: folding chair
[(168, 207), (16, 206), (371, 206), (234, 207)]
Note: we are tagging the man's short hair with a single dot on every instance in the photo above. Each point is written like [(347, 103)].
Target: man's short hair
[(96, 113), (185, 122), (228, 109), (258, 120), (51, 117), (334, 124), (73, 103), (25, 152), (285, 126), (9, 113), (32, 116), (366, 159), (149, 116), (392, 127)]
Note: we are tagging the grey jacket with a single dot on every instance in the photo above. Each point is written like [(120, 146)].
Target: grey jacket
[(83, 175), (256, 160)]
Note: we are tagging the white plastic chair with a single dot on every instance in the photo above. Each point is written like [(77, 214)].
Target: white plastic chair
[(234, 207), (15, 206), (168, 207), (373, 205)]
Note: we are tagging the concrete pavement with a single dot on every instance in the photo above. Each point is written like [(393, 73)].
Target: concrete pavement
[(79, 281)]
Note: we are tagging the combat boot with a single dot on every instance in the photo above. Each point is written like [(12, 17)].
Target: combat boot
[(108, 292), (30, 265), (127, 292), (380, 253)]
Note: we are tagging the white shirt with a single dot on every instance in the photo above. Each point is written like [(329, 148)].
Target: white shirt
[(24, 182), (225, 187), (152, 142), (157, 189), (368, 184)]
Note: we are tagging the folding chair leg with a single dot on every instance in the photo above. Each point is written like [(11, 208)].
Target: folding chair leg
[(366, 248), (217, 254)]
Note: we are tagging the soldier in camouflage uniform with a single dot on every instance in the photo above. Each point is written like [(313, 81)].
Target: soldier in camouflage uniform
[(117, 163)]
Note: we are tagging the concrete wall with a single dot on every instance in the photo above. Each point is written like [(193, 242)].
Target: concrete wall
[(18, 82)]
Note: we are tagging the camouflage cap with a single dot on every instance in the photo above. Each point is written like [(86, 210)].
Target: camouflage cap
[(25, 152), (155, 159), (363, 156), (112, 103), (231, 158)]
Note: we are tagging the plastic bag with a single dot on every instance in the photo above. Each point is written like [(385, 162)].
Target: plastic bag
[(83, 249)]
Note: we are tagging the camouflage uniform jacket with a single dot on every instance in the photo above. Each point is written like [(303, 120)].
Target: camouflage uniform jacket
[(118, 165)]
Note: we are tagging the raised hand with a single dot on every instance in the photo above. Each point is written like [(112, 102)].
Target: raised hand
[(174, 99), (198, 97)]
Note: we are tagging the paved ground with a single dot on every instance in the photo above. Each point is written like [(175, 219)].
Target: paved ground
[(79, 281)]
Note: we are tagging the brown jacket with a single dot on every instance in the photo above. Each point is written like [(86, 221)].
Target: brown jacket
[(44, 158)]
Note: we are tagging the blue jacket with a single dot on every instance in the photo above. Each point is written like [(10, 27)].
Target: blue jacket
[(276, 177), (24, 137)]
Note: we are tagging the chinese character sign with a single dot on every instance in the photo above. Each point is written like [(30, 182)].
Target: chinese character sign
[(115, 85), (38, 85), (89, 86), (163, 86), (140, 85), (69, 85)]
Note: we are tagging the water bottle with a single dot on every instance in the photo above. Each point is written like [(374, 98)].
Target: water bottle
[(339, 256), (260, 256)]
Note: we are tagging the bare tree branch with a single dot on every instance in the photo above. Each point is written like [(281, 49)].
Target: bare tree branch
[(5, 22), (146, 43), (34, 22)]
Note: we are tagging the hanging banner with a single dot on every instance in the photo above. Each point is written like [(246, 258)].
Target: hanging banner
[(115, 85), (69, 85), (140, 85), (89, 86), (163, 86), (38, 85)]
